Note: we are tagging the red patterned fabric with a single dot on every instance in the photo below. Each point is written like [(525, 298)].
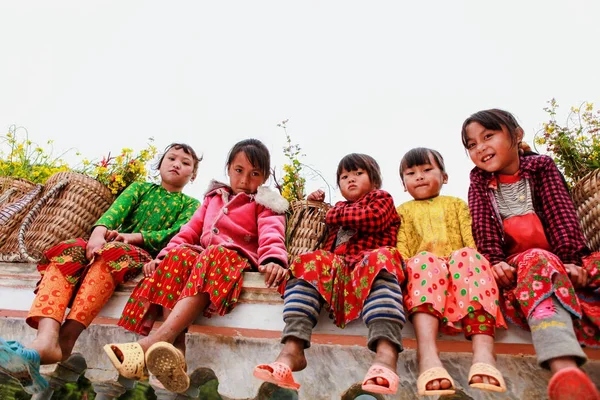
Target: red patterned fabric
[(345, 286), (374, 218), (552, 204), (541, 274), (125, 260), (183, 272), (452, 289)]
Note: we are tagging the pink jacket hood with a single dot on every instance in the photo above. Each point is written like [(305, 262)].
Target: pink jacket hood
[(253, 225)]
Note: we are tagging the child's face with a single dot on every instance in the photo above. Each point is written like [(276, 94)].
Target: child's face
[(424, 181), (493, 150), (355, 184), (243, 176), (177, 168)]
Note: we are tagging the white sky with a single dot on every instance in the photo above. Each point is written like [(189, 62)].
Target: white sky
[(374, 77)]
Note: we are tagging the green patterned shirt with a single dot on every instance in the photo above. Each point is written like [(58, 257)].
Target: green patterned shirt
[(151, 210)]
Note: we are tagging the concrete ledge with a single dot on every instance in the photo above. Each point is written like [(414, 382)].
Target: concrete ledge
[(331, 371), (257, 316)]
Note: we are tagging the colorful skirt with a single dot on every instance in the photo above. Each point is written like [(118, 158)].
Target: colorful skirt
[(541, 274), (125, 260), (452, 288), (183, 272), (345, 287)]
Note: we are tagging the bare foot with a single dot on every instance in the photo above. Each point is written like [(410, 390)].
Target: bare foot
[(293, 359), (48, 349), (430, 359), (486, 358)]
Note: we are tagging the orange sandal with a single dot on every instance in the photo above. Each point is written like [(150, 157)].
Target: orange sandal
[(133, 365), (167, 363), (379, 371), (278, 374)]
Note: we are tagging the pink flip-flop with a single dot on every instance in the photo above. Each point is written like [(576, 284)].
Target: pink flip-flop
[(379, 371), (572, 384), (278, 374)]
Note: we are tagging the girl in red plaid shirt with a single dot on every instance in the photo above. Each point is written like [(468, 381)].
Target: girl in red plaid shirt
[(525, 224), (358, 274)]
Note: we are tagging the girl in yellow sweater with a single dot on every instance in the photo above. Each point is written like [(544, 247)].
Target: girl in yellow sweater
[(450, 286)]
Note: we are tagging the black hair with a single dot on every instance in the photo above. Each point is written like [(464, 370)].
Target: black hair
[(420, 156), (493, 119), (257, 154), (354, 161), (187, 149)]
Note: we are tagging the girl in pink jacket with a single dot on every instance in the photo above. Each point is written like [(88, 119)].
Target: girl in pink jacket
[(239, 227)]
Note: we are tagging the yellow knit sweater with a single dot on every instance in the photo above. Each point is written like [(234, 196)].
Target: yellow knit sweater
[(440, 225)]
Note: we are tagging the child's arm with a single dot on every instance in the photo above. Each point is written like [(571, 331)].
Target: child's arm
[(272, 254), (370, 214), (486, 232), (564, 231), (317, 195), (465, 224)]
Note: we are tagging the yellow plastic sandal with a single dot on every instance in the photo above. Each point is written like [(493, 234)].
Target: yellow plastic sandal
[(133, 365), (167, 363), (432, 374), (482, 369)]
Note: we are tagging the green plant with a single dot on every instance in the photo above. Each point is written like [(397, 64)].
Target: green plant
[(574, 145), (22, 158), (293, 183), (118, 172)]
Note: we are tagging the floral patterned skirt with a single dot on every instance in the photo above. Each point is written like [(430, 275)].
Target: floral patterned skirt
[(453, 287), (345, 287), (541, 274), (183, 272), (125, 261)]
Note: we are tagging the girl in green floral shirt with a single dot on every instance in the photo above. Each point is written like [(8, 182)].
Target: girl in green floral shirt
[(83, 275)]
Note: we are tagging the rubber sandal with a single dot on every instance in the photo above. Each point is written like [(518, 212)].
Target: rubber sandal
[(22, 364), (379, 371), (487, 370), (167, 363), (278, 374), (432, 374), (572, 384), (133, 365)]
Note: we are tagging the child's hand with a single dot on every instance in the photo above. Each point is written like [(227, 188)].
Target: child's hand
[(130, 238), (274, 274), (578, 275), (504, 274), (317, 195), (150, 267)]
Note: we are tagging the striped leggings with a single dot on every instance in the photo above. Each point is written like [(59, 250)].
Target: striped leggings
[(382, 312)]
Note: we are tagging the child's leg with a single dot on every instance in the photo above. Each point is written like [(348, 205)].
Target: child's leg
[(383, 313), (96, 288), (47, 313), (426, 329), (183, 314), (553, 336), (301, 309)]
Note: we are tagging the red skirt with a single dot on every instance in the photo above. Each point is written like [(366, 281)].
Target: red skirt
[(345, 287)]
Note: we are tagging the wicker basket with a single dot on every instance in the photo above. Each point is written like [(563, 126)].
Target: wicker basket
[(17, 196), (70, 204), (306, 227), (586, 196)]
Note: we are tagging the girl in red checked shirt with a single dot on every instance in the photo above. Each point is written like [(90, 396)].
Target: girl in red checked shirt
[(450, 286), (358, 274), (525, 224), (239, 226)]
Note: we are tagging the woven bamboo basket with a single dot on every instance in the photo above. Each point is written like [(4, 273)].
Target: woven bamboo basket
[(586, 197), (70, 204), (306, 229), (17, 196)]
